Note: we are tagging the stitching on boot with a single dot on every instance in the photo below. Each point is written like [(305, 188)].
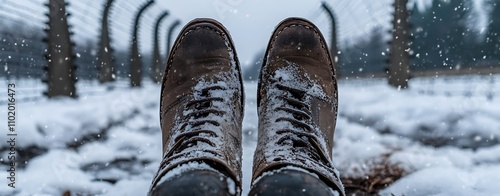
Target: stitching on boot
[(164, 164), (332, 68), (321, 43), (174, 50)]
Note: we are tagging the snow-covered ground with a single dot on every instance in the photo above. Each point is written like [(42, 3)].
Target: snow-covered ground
[(441, 143), (438, 138)]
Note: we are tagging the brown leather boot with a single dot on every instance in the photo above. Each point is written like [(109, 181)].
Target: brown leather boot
[(297, 107), (201, 114)]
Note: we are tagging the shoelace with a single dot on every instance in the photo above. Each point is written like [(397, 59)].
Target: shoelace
[(301, 135), (199, 110)]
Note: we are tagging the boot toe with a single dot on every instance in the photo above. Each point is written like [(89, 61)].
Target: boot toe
[(291, 183), (194, 183), (203, 40), (297, 37)]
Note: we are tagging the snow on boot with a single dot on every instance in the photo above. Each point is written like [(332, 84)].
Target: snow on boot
[(297, 107), (201, 114)]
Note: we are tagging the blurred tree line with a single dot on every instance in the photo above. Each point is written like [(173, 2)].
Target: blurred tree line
[(21, 50), (22, 54), (443, 37), (366, 56)]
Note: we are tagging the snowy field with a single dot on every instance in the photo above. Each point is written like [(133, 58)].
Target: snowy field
[(441, 137)]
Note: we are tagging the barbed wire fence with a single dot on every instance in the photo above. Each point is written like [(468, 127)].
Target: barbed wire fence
[(398, 54), (24, 26), (23, 22)]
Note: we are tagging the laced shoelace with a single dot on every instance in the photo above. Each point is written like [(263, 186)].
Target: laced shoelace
[(198, 111), (301, 135)]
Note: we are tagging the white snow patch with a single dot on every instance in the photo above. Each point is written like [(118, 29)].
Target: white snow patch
[(374, 121)]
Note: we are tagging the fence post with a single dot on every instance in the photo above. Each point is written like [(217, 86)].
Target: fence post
[(61, 68), (333, 43), (135, 58), (157, 60), (105, 59), (169, 42), (399, 59), (170, 35)]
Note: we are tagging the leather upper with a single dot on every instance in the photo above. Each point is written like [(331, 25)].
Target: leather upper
[(202, 101), (297, 103)]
